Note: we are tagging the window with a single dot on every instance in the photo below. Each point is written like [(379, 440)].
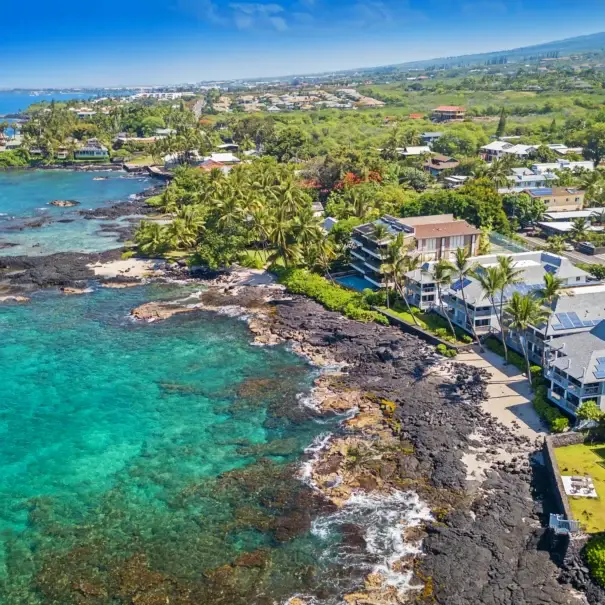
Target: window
[(482, 322), (577, 199), (457, 241), (429, 244), (578, 278), (430, 298), (558, 390)]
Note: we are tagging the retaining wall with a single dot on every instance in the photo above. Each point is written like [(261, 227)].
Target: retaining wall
[(550, 443), (420, 332)]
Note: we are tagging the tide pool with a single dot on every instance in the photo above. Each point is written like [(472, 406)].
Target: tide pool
[(129, 447), (26, 194)]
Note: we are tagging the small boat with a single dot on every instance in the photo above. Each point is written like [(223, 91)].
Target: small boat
[(100, 178)]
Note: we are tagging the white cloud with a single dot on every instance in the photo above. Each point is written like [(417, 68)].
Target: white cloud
[(253, 15)]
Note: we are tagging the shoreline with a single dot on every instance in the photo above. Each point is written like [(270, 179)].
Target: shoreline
[(417, 426)]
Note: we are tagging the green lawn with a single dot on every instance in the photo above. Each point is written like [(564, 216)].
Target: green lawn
[(427, 321), (585, 460), (142, 160)]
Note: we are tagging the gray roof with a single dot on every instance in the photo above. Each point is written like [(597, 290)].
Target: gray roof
[(587, 302), (581, 353), (532, 264)]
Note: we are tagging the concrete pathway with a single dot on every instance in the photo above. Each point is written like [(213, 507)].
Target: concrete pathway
[(509, 394)]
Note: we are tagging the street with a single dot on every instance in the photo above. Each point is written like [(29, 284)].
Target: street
[(575, 257)]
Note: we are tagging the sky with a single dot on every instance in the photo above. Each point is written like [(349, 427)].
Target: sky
[(150, 42)]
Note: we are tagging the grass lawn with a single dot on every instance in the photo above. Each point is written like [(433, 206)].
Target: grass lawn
[(427, 321), (584, 460), (142, 160)]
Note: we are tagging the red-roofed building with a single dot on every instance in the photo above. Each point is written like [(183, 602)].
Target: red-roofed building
[(209, 165), (416, 116), (448, 112)]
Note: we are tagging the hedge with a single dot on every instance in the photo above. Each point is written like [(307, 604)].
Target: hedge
[(595, 557), (330, 295), (556, 421)]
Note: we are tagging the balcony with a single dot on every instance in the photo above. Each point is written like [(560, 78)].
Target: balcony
[(358, 268)]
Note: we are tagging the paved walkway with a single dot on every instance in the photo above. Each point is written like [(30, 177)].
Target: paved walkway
[(509, 394)]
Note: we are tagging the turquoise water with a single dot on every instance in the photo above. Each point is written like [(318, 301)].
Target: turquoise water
[(15, 101), (167, 446), (354, 282), (25, 195)]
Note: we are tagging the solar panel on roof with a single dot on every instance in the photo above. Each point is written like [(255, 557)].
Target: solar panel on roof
[(601, 360), (596, 322), (457, 285), (588, 324), (600, 374), (575, 320), (564, 319), (556, 327)]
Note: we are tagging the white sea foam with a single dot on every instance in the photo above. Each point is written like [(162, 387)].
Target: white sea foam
[(382, 518)]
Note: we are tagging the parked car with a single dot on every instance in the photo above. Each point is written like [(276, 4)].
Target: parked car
[(569, 247)]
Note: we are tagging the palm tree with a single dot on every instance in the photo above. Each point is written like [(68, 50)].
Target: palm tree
[(499, 171), (579, 228), (400, 263), (442, 276), (523, 311), (151, 238), (555, 244), (509, 276), (358, 198), (463, 270), (549, 292), (490, 280), (325, 255), (598, 217)]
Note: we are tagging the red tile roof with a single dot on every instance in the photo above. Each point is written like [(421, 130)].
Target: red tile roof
[(416, 116), (209, 165), (445, 230), (449, 108)]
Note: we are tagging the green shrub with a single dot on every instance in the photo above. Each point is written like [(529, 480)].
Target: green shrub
[(443, 350), (536, 372), (251, 261), (556, 421), (128, 254), (375, 299), (466, 338), (330, 295), (559, 425), (595, 557), (442, 333)]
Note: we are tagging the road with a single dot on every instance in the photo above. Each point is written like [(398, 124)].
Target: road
[(574, 257)]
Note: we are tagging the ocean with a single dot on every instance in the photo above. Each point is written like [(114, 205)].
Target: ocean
[(26, 194), (18, 101), (165, 462)]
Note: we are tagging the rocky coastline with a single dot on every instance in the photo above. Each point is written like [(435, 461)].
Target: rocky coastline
[(412, 421)]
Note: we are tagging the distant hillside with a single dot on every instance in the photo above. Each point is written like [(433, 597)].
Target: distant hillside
[(592, 42)]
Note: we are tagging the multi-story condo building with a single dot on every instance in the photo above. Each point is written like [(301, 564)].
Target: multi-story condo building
[(422, 293), (575, 369), (433, 237)]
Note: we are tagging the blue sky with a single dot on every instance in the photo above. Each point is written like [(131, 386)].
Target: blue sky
[(138, 42)]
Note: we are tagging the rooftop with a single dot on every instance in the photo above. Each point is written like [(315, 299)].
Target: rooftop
[(449, 108), (583, 354), (448, 229)]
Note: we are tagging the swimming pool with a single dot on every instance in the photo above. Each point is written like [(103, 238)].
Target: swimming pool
[(354, 282)]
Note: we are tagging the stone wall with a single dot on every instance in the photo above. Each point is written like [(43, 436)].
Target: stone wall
[(550, 443), (418, 331)]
